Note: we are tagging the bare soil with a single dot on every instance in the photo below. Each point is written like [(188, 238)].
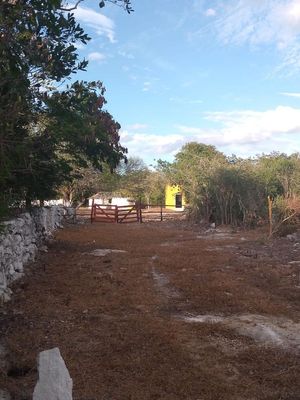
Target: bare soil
[(178, 313)]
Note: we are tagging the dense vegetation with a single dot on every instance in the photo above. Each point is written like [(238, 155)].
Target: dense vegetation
[(46, 133), (231, 190), (220, 189), (132, 179)]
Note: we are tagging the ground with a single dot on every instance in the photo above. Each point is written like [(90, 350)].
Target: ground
[(179, 313)]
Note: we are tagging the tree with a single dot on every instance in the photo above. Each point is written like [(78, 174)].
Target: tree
[(82, 128), (280, 173), (231, 190), (37, 49), (238, 195), (84, 182), (155, 188), (76, 132), (36, 46), (133, 178), (218, 189), (192, 169)]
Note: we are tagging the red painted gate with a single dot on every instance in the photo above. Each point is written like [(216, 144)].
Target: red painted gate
[(115, 214), (104, 213), (127, 214)]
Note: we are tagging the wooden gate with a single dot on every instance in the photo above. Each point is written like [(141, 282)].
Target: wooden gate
[(104, 213), (115, 214), (127, 214)]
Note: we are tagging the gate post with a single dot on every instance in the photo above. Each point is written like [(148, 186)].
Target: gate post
[(92, 212), (140, 214), (138, 206), (116, 214)]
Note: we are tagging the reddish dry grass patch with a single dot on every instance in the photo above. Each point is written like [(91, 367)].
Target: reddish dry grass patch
[(118, 327)]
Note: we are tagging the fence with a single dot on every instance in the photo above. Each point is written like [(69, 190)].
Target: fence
[(160, 212), (133, 213), (104, 213)]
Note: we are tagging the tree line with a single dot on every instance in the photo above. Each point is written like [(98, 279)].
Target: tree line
[(218, 188), (233, 190), (132, 178)]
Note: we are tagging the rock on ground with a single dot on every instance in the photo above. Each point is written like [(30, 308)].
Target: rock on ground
[(54, 381)]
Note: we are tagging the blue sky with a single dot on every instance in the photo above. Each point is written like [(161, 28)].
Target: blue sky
[(225, 73)]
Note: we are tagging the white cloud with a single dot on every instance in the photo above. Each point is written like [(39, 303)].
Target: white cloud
[(137, 127), (256, 131), (291, 94), (245, 133), (261, 22), (149, 145), (210, 12), (291, 60), (254, 126), (96, 56), (103, 25)]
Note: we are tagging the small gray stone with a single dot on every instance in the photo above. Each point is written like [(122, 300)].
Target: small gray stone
[(15, 276), (44, 249), (18, 266), (54, 381), (4, 395), (11, 269), (5, 295), (292, 237)]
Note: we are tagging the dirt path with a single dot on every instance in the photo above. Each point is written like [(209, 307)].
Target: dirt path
[(177, 314)]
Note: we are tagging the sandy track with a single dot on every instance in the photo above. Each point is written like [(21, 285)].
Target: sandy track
[(177, 314)]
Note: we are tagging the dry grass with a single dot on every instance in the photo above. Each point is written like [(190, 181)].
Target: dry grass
[(118, 319)]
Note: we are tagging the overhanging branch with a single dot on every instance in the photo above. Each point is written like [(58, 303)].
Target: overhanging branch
[(71, 8), (125, 4)]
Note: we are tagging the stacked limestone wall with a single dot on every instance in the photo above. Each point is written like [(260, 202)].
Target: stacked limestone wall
[(21, 238)]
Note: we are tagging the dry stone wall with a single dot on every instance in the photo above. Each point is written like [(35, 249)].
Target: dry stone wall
[(20, 239)]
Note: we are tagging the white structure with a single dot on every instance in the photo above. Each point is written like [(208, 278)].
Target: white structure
[(106, 198)]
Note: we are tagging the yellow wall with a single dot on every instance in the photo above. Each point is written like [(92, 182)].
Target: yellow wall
[(170, 196)]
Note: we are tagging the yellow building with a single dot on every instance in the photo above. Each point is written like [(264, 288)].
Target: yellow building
[(174, 198)]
